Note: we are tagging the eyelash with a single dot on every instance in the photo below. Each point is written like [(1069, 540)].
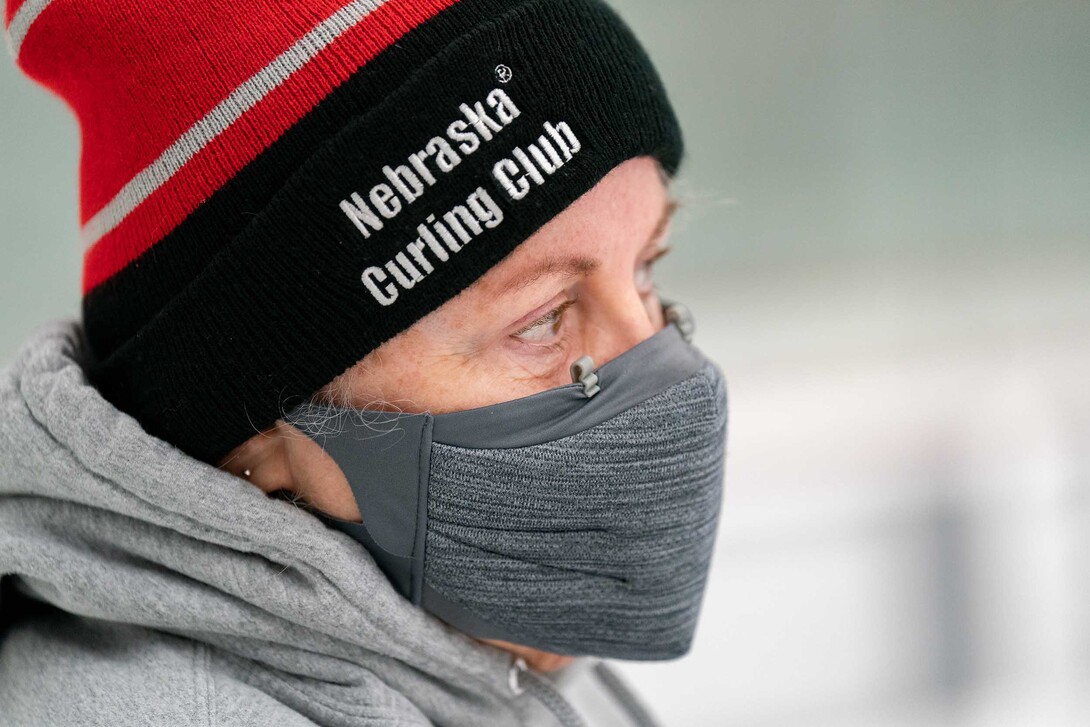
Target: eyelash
[(650, 263), (658, 255), (556, 313)]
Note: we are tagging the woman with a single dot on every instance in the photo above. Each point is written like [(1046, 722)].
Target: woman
[(390, 262)]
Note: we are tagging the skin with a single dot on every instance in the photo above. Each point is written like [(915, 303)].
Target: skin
[(581, 285)]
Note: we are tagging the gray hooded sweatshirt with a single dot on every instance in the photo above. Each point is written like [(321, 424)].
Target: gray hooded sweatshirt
[(140, 586)]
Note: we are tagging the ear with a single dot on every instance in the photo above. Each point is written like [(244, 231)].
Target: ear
[(262, 460), (283, 458)]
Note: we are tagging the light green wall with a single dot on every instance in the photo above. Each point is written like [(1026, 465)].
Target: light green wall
[(39, 251)]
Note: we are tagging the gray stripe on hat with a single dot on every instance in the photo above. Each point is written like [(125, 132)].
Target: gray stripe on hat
[(219, 119), (21, 22)]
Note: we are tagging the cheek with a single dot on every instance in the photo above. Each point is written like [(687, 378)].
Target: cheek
[(526, 375), (438, 383), (401, 375), (484, 383)]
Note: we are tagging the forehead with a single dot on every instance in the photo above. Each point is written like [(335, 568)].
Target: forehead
[(617, 217), (607, 226)]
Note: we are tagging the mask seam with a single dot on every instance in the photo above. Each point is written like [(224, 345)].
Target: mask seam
[(423, 476)]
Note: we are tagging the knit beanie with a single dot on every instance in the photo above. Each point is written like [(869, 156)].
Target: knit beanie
[(269, 189)]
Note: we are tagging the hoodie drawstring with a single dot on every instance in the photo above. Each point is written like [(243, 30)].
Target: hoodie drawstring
[(624, 695), (521, 679)]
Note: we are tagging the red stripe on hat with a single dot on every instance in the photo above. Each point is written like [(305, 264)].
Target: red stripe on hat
[(136, 88), (11, 7), (251, 134)]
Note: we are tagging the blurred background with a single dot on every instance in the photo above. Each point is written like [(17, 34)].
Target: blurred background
[(886, 243)]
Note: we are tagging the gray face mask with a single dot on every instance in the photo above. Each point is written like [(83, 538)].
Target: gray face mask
[(579, 520)]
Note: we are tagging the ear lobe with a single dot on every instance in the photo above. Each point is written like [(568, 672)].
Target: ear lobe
[(261, 460)]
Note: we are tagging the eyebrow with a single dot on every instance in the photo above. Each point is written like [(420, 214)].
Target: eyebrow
[(581, 265), (563, 267)]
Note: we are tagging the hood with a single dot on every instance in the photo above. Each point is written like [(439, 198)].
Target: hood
[(104, 521)]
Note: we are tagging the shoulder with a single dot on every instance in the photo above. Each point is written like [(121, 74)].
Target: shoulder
[(59, 669)]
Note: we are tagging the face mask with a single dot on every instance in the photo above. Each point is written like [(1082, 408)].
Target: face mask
[(579, 520)]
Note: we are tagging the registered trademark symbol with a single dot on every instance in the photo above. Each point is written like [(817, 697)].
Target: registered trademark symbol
[(503, 73)]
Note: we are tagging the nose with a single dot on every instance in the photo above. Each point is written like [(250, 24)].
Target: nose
[(622, 321)]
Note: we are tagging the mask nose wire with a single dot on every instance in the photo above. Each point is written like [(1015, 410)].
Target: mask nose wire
[(681, 317), (583, 370)]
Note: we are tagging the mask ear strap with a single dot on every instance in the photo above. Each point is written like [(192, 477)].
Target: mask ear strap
[(582, 369), (386, 458)]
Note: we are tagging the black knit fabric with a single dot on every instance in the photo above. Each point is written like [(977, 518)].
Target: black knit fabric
[(232, 319)]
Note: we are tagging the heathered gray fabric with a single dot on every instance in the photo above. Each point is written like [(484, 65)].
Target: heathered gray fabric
[(168, 592), (597, 542)]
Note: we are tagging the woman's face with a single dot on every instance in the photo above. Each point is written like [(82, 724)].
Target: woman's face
[(581, 285)]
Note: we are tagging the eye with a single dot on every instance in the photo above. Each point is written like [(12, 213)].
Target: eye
[(546, 327), (644, 276)]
